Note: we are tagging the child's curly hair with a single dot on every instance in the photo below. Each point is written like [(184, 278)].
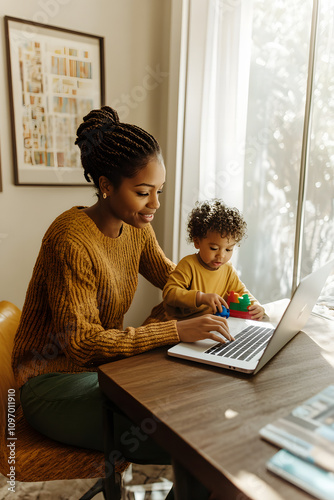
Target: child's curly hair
[(214, 215)]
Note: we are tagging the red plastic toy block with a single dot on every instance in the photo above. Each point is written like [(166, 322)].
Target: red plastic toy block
[(238, 305), (240, 314)]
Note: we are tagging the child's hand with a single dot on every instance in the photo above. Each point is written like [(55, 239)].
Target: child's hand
[(212, 300), (256, 311)]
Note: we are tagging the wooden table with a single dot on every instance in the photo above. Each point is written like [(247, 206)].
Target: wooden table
[(208, 418)]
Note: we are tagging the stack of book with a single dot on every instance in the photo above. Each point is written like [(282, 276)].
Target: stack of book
[(306, 436)]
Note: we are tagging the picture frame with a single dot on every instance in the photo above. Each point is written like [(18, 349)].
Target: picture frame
[(55, 77)]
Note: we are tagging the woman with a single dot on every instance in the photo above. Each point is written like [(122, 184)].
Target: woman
[(83, 283)]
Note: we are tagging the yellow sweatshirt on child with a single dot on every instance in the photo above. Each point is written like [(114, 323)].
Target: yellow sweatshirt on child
[(189, 277)]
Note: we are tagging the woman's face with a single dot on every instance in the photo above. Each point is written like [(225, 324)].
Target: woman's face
[(136, 200)]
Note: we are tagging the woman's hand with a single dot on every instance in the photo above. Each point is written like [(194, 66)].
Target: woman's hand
[(203, 327), (256, 311), (212, 300)]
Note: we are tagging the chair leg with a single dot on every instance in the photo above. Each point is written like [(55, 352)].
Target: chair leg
[(94, 490), (113, 491), (113, 480), (101, 485)]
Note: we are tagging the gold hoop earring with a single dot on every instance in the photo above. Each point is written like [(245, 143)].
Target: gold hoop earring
[(104, 196)]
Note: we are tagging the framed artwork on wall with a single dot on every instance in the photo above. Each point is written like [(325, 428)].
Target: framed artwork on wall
[(56, 76)]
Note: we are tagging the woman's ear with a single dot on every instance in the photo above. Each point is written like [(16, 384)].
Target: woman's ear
[(106, 188)]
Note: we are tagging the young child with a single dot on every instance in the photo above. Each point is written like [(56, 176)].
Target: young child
[(201, 282)]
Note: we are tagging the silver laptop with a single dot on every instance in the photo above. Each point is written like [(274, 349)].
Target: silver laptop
[(256, 342)]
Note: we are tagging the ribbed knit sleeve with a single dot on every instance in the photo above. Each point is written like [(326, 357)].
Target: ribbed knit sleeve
[(82, 285), (77, 301), (154, 265)]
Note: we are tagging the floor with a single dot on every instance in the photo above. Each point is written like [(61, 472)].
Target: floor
[(141, 482)]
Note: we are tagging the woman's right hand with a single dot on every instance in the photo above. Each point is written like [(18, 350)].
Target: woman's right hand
[(203, 327)]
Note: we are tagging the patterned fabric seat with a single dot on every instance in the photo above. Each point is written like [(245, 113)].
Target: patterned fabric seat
[(36, 457)]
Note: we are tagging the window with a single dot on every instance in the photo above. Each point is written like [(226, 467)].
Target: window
[(245, 133)]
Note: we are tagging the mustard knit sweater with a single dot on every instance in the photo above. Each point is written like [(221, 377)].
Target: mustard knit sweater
[(82, 285)]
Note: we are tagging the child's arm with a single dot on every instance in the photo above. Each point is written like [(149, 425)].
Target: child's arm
[(176, 292)]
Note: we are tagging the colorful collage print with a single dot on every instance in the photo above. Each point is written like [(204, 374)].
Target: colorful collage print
[(57, 89)]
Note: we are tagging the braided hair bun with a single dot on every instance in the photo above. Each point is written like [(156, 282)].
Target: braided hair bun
[(111, 148), (103, 115)]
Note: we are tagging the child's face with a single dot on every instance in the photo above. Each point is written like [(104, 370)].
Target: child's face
[(215, 250)]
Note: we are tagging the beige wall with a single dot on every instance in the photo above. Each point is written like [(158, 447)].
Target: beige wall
[(136, 38)]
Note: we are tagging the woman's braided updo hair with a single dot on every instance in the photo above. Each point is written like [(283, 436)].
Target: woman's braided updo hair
[(215, 216), (112, 148)]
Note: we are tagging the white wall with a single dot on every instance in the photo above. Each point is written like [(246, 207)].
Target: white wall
[(136, 37)]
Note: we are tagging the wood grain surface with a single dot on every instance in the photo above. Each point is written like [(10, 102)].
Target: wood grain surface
[(209, 418)]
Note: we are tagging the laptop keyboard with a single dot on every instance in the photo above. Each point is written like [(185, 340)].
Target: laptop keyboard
[(247, 344)]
